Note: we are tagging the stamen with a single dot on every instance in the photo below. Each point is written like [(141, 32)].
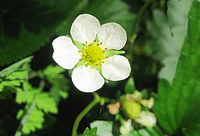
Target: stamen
[(93, 54), (106, 56)]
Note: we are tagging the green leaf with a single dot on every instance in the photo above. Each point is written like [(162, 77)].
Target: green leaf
[(18, 75), (110, 11), (34, 122), (11, 84), (54, 76), (24, 96), (129, 86), (14, 67), (27, 29), (53, 70), (104, 128), (192, 131), (177, 107), (146, 132), (91, 132), (15, 74), (74, 8), (169, 34), (46, 103), (57, 93)]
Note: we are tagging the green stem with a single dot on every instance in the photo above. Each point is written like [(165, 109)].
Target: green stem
[(84, 112), (139, 14), (28, 112), (25, 118), (133, 35)]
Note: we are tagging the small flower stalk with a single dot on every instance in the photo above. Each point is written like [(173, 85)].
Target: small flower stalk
[(93, 52)]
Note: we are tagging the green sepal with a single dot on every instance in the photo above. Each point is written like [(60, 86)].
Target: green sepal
[(88, 132), (77, 44), (99, 68), (129, 86), (110, 53), (81, 63)]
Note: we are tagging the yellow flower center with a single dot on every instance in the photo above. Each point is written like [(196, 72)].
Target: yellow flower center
[(93, 53)]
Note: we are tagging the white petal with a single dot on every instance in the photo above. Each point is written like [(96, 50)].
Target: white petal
[(85, 28), (147, 119), (65, 52), (116, 68), (112, 35), (87, 79)]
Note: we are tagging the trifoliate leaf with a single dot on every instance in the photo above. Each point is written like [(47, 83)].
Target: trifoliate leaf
[(46, 103)]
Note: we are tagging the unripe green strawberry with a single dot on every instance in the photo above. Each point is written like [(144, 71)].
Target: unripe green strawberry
[(131, 108)]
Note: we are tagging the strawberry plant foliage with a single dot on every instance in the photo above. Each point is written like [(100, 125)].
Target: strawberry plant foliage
[(178, 101), (168, 35), (15, 80), (91, 132)]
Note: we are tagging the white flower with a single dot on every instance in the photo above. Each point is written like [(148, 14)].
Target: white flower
[(126, 127), (147, 119), (93, 53)]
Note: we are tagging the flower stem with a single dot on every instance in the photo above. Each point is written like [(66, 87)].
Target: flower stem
[(133, 35), (84, 112), (139, 14)]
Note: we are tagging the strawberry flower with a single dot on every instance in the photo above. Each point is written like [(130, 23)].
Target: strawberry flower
[(93, 53)]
